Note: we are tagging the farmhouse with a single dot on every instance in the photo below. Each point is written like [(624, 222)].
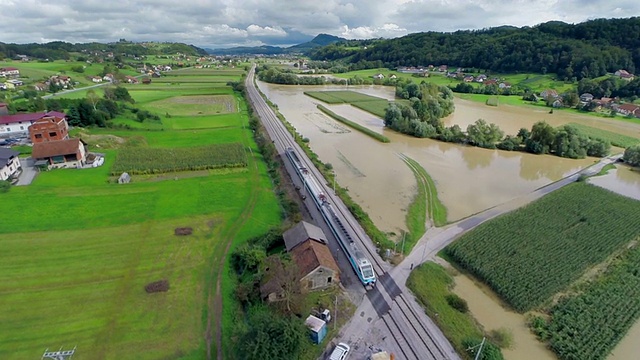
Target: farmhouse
[(9, 163), (628, 110), (69, 153), (624, 75), (378, 76), (586, 97), (549, 93), (18, 124), (307, 245), (49, 128), (9, 71)]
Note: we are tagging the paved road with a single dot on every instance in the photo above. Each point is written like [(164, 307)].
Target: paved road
[(28, 172), (388, 307)]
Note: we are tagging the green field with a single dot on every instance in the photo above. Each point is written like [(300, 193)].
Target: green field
[(368, 103), (615, 139), (81, 248), (589, 323), (531, 254)]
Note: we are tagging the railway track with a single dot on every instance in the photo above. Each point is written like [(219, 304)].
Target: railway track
[(409, 332)]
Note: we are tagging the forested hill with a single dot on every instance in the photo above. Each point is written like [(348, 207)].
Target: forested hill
[(61, 50), (588, 49)]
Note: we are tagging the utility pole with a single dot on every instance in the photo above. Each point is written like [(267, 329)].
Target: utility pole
[(479, 349), (334, 182)]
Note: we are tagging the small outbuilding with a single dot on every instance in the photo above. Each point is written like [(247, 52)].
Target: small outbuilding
[(125, 178), (317, 328)]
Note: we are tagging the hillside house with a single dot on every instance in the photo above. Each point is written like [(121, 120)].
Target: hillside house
[(18, 124), (70, 153), (378, 76), (9, 72), (586, 97), (549, 93), (628, 110), (9, 163), (130, 79), (504, 85), (96, 79), (49, 128), (624, 75)]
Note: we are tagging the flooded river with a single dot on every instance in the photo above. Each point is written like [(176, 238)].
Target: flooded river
[(622, 180)]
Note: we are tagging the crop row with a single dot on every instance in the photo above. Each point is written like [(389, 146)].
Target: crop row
[(619, 140), (161, 160), (588, 325), (535, 252)]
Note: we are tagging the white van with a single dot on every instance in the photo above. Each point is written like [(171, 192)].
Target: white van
[(340, 352)]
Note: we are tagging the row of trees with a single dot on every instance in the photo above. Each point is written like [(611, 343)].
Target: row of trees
[(558, 48)]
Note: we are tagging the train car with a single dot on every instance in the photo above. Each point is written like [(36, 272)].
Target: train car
[(359, 262)]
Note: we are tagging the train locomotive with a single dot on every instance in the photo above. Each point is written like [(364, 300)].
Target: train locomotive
[(359, 262)]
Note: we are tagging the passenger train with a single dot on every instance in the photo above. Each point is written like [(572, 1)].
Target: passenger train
[(361, 265)]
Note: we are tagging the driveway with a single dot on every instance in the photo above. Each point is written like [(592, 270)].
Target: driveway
[(29, 172)]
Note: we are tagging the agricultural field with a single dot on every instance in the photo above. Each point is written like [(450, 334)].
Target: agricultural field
[(615, 139), (368, 103), (589, 323), (198, 105), (142, 161), (81, 248), (531, 254)]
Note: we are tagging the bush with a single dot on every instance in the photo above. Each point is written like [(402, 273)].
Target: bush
[(5, 186), (457, 303), (502, 337)]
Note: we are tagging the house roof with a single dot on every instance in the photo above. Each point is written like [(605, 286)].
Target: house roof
[(8, 119), (629, 107), (300, 233), (55, 148), (6, 154), (310, 255), (314, 323)]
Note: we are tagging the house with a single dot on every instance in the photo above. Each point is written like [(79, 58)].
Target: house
[(504, 85), (307, 245), (108, 77), (317, 328), (490, 82), (586, 97), (15, 82), (468, 79), (9, 163), (302, 232), (393, 76), (624, 75), (481, 78), (70, 153), (60, 81), (9, 71), (18, 124), (628, 110), (442, 68), (96, 79), (557, 103), (130, 79), (318, 269), (49, 128), (378, 76), (549, 93)]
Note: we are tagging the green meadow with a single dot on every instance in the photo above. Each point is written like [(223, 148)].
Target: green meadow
[(80, 248)]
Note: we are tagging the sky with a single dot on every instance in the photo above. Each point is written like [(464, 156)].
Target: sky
[(229, 23)]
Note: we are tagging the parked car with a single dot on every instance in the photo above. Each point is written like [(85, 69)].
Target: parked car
[(340, 352)]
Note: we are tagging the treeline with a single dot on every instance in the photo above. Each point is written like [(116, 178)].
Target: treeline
[(429, 104), (276, 75), (60, 50), (585, 50)]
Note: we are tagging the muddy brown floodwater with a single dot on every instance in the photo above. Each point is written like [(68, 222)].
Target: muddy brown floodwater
[(468, 179)]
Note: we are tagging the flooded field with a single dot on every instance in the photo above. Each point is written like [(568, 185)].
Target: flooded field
[(468, 179), (488, 311), (622, 180)]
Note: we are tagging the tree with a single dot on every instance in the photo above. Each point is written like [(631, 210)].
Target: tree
[(93, 98), (541, 138), (271, 336), (632, 155), (483, 134)]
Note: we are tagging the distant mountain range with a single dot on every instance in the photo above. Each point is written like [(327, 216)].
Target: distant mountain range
[(318, 41)]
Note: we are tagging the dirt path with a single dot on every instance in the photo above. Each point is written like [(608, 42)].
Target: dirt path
[(214, 299)]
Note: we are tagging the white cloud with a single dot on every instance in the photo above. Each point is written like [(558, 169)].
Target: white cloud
[(256, 30), (228, 22)]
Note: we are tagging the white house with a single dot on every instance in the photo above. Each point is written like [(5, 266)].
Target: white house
[(18, 124), (9, 163), (9, 71), (378, 76)]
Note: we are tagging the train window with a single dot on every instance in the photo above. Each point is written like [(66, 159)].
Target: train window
[(367, 271)]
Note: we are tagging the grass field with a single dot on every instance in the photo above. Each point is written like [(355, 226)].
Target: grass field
[(197, 105), (531, 254), (81, 248), (368, 103), (615, 139)]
